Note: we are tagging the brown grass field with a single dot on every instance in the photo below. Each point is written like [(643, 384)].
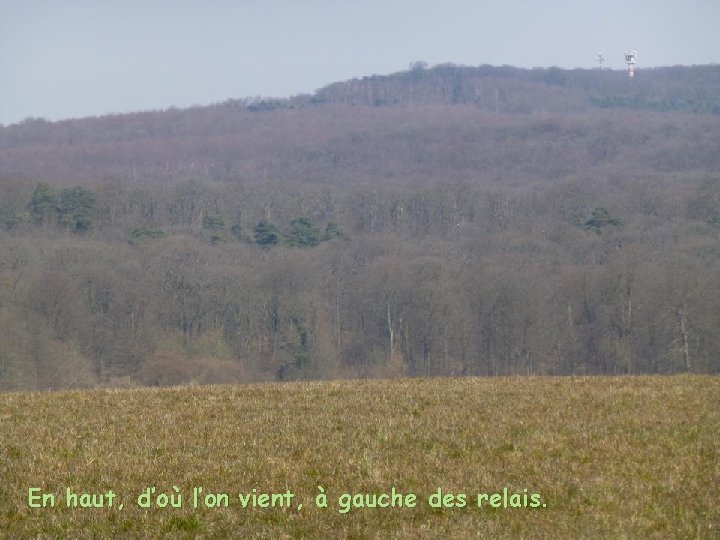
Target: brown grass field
[(623, 457)]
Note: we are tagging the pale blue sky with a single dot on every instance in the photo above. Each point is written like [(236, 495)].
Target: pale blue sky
[(71, 58)]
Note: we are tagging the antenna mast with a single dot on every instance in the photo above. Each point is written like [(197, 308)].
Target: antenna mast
[(600, 58)]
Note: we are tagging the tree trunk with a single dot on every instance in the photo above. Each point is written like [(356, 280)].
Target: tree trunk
[(682, 320), (391, 333)]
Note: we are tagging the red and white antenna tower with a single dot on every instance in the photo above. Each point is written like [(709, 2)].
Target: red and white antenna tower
[(630, 60)]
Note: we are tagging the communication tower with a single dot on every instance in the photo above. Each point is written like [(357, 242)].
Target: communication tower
[(600, 58), (630, 60)]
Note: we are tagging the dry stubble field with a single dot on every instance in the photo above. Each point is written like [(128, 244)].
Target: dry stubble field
[(621, 457)]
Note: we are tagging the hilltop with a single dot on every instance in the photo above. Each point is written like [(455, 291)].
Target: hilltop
[(459, 119), (531, 91)]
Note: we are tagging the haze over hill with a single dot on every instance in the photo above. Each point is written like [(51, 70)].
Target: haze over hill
[(72, 59), (446, 220), (459, 119)]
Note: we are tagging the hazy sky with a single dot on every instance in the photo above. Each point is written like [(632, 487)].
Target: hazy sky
[(70, 58)]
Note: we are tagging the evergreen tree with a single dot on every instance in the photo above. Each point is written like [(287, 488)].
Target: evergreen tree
[(76, 208), (601, 218), (302, 233), (43, 205), (266, 234)]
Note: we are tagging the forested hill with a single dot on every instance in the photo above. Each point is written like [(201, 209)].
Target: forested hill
[(443, 221), (423, 125), (522, 91)]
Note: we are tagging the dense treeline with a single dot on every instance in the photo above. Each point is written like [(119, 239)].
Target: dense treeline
[(577, 278), (522, 91), (355, 241), (448, 122), (372, 146)]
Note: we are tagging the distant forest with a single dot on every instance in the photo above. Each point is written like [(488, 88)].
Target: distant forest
[(438, 221)]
